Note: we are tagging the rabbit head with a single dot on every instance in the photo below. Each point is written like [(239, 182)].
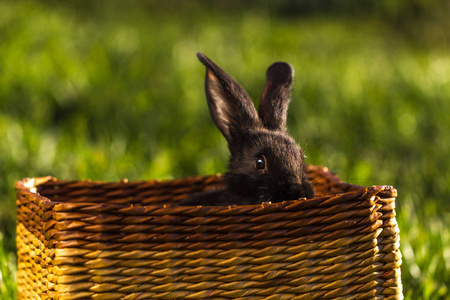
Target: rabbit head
[(266, 165)]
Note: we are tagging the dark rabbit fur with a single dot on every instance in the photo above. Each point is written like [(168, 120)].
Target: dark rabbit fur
[(266, 164)]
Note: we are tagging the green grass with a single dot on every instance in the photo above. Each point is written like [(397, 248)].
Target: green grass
[(111, 91), (7, 271)]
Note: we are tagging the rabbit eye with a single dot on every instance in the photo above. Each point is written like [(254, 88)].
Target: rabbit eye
[(260, 162)]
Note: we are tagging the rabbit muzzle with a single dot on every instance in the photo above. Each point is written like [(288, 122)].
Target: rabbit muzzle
[(293, 191)]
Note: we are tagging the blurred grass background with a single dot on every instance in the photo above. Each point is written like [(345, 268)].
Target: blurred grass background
[(108, 90)]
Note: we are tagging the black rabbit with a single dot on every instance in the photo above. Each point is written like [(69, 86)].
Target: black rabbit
[(266, 165)]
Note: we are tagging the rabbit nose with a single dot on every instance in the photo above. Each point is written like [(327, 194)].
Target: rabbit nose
[(292, 192)]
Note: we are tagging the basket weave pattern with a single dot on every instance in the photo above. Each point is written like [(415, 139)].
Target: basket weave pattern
[(129, 240)]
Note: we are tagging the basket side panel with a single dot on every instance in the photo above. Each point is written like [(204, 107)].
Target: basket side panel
[(287, 250), (33, 264), (33, 254), (389, 245)]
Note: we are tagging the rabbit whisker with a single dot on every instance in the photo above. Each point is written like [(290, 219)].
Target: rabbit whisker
[(269, 200)]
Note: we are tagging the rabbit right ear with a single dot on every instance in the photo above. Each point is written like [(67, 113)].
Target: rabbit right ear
[(276, 96), (230, 106)]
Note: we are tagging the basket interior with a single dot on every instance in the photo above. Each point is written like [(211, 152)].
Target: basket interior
[(168, 192)]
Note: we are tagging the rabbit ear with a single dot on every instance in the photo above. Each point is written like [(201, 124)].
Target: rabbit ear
[(230, 106), (276, 96)]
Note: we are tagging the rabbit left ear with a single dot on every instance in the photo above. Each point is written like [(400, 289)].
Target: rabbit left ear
[(230, 106), (276, 96)]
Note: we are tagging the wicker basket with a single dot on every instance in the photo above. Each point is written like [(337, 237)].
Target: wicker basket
[(129, 240)]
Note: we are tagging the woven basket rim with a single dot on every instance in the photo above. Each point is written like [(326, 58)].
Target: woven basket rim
[(32, 183)]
